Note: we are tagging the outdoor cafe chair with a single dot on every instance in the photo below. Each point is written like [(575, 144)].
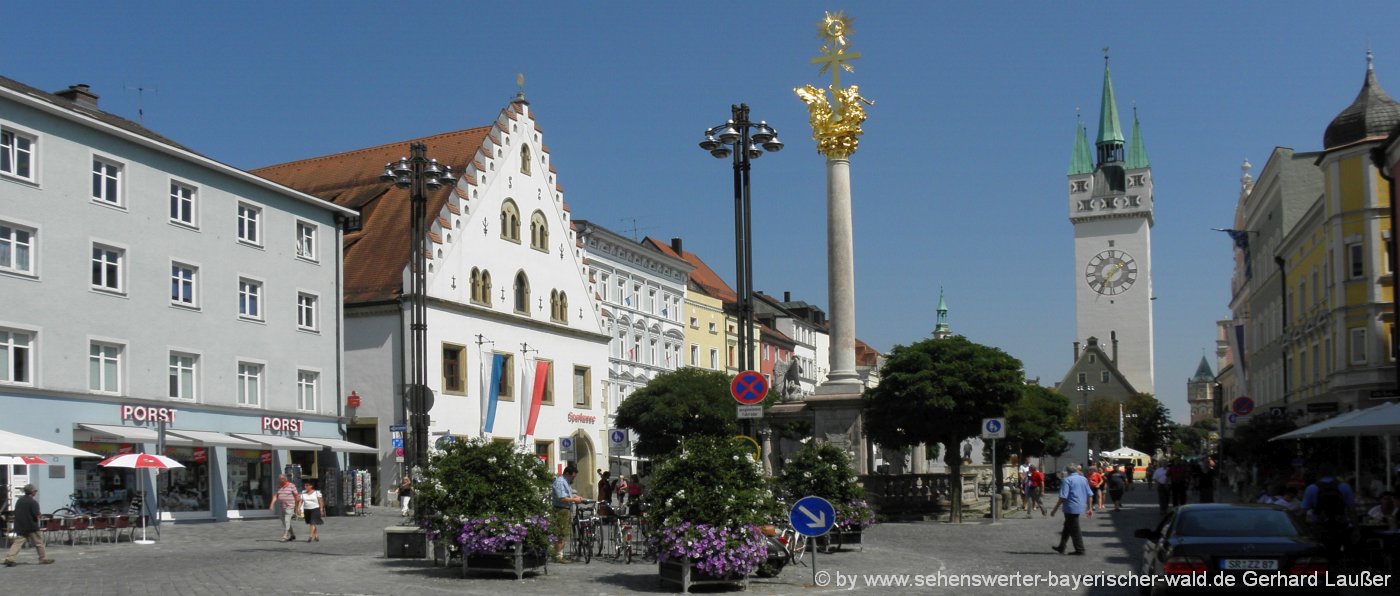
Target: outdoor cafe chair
[(120, 523), (100, 528), (50, 526), (78, 527)]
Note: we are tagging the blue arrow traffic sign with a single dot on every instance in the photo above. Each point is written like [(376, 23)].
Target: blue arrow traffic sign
[(812, 516)]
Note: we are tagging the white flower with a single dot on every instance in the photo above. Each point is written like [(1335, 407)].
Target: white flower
[(806, 474)]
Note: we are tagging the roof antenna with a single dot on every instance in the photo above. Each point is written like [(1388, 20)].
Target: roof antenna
[(141, 100)]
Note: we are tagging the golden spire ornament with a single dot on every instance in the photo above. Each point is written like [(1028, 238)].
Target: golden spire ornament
[(836, 128)]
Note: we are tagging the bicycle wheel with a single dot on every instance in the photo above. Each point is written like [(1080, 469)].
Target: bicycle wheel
[(800, 544), (588, 539), (64, 512)]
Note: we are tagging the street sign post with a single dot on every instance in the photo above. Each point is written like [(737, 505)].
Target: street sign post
[(1242, 405), (750, 412), (995, 428), (749, 388), (566, 449), (617, 441), (812, 516)]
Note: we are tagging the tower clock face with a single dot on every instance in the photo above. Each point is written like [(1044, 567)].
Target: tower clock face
[(1111, 272)]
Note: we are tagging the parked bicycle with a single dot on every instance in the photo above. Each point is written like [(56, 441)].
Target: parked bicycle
[(585, 527)]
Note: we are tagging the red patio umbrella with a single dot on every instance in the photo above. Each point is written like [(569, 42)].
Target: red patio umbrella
[(141, 461)]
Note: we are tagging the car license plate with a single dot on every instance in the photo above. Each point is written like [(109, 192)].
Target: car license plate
[(1233, 564)]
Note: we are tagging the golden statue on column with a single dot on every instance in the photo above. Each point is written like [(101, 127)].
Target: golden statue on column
[(835, 128)]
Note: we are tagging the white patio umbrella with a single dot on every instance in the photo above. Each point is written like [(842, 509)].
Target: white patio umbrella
[(1312, 430), (141, 461), (1383, 420), (16, 444)]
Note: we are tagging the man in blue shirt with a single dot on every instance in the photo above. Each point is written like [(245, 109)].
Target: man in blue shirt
[(564, 498), (1074, 497)]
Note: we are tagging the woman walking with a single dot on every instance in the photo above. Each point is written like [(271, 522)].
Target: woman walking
[(311, 510), (405, 495)]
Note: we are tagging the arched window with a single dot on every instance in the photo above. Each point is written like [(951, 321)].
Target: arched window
[(525, 160), (539, 232), (522, 293), (486, 288), (476, 285), (510, 221), (563, 307)]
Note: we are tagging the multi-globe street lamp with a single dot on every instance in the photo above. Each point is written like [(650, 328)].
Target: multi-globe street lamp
[(418, 175), (745, 141)]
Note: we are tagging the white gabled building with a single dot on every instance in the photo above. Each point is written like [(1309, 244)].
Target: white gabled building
[(641, 298), (142, 283), (508, 295)]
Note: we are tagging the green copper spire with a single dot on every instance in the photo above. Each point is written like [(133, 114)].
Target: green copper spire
[(1137, 153), (1081, 162), (941, 329), (1109, 131)]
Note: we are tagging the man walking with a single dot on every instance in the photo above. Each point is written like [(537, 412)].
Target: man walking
[(1075, 498), (27, 527), (288, 498), (1164, 488)]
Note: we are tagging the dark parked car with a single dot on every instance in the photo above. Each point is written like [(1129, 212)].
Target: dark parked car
[(1257, 546)]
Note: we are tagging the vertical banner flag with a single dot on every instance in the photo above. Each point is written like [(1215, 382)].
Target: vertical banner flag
[(1237, 344), (497, 363), (485, 387), (537, 393), (525, 381)]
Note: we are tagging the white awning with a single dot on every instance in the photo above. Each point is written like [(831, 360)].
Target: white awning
[(130, 434), (16, 444), (204, 437), (278, 442), (339, 445)]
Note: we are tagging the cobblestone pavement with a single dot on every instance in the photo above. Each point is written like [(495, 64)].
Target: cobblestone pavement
[(244, 557)]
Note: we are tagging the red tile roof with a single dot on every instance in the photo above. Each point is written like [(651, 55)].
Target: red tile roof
[(866, 355), (376, 256), (705, 278)]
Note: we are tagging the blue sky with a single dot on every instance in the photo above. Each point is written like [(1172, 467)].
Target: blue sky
[(959, 182)]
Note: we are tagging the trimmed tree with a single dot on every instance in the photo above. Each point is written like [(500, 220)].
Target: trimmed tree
[(938, 391), (1035, 421), (685, 403)]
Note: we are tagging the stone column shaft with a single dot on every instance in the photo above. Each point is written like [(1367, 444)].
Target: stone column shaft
[(841, 282)]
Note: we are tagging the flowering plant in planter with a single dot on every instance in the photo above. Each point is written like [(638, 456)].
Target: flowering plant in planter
[(486, 496), (707, 499), (825, 471)]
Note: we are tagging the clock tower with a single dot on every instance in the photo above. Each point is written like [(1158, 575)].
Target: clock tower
[(1110, 206)]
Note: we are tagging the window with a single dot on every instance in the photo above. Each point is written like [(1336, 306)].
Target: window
[(1358, 345), (1082, 378), (539, 232), (306, 311), (1303, 366), (454, 369), (182, 203), (307, 381), (104, 367), (1093, 358), (1356, 265), (583, 396), (714, 359), (16, 154), (694, 355), (1103, 376), (525, 160), (522, 293), (713, 328), (510, 222), (481, 287), (16, 357), (558, 306), (306, 240), (694, 323), (106, 181), (182, 376), (544, 450), (249, 299), (249, 218), (183, 285), (16, 249), (249, 384), (107, 267), (548, 396), (506, 390)]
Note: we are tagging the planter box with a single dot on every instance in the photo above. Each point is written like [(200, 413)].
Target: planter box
[(515, 560), (683, 573)]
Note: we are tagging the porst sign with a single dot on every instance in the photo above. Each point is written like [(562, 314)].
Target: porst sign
[(148, 414), (275, 424)]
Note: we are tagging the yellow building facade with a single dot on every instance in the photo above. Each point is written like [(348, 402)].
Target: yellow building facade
[(705, 331)]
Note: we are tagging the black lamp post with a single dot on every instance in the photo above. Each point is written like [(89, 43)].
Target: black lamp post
[(419, 175), (746, 141)]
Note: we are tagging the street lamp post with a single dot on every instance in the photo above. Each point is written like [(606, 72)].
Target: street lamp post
[(746, 141), (418, 175)]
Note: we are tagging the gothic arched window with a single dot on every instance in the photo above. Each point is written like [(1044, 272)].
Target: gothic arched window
[(525, 160), (510, 221), (476, 285), (522, 293), (539, 232), (486, 288)]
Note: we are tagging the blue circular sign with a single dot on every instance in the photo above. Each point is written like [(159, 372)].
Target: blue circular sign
[(812, 516), (619, 436), (749, 387), (994, 426), (566, 443)]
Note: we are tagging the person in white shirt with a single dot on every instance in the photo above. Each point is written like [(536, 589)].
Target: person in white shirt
[(1289, 499), (1164, 487), (311, 510)]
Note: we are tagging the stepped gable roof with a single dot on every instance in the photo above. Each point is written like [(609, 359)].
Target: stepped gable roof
[(1203, 372), (1371, 114), (377, 255), (702, 276)]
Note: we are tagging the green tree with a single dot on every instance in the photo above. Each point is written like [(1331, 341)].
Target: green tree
[(1100, 418), (1153, 428), (687, 402), (938, 391), (1035, 421)]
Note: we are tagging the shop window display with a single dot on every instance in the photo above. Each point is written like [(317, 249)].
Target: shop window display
[(96, 488), (250, 479), (187, 488)]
